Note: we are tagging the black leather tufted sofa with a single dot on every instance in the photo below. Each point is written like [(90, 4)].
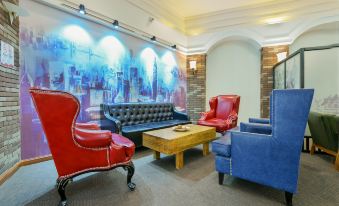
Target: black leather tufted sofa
[(132, 119)]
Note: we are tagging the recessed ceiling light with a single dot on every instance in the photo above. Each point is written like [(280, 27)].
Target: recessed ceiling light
[(275, 20)]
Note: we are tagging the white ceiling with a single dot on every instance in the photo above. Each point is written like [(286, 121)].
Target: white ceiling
[(198, 25), (187, 8)]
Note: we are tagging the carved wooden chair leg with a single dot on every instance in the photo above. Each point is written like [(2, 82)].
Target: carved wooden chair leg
[(288, 198), (61, 186), (130, 173)]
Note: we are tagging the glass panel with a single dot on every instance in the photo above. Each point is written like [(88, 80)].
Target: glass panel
[(293, 73), (279, 77), (322, 74)]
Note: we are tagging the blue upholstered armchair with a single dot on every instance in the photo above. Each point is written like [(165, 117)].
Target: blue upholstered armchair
[(269, 159)]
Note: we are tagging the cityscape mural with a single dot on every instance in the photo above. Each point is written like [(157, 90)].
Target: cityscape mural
[(95, 63)]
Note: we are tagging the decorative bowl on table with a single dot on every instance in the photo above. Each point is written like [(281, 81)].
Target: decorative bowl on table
[(181, 128)]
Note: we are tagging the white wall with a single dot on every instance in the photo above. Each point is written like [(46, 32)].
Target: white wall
[(322, 35), (233, 67)]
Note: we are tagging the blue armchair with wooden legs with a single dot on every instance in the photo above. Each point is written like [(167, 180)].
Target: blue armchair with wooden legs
[(269, 159)]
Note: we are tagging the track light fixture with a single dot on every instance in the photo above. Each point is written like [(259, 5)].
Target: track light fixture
[(123, 28), (116, 24), (82, 9)]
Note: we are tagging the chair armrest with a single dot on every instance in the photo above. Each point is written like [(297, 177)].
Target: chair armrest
[(180, 115), (90, 126), (259, 120), (93, 138), (116, 124), (256, 128), (207, 115), (232, 119)]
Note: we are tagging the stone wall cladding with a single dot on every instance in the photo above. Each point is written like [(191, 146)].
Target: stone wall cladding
[(9, 96), (196, 87), (268, 60)]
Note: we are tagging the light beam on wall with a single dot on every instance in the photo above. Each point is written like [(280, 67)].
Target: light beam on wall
[(113, 49), (169, 63), (149, 57), (77, 34)]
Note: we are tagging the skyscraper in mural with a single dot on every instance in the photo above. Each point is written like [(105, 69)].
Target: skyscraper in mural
[(155, 81)]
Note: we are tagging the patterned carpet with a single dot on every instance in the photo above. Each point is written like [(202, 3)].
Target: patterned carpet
[(159, 183)]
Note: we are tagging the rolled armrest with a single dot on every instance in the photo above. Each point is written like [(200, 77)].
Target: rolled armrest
[(116, 123), (259, 120), (90, 126), (207, 115), (93, 138), (180, 115), (256, 128)]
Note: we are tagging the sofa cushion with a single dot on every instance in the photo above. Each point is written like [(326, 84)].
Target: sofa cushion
[(152, 125), (222, 146)]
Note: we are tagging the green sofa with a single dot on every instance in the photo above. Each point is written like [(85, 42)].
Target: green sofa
[(324, 131)]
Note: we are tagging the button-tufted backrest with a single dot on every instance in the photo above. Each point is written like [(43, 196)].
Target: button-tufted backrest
[(138, 113)]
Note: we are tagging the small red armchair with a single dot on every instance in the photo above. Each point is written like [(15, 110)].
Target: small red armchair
[(223, 114), (79, 148)]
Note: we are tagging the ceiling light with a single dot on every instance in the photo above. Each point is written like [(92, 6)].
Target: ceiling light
[(116, 24), (276, 20), (82, 9), (153, 38)]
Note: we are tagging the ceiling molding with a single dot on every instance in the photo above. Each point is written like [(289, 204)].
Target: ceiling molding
[(160, 12)]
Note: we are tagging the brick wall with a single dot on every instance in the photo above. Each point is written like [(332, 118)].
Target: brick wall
[(9, 96), (196, 87), (268, 60)]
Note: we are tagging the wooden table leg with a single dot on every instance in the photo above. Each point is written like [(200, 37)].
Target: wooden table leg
[(205, 148), (179, 160), (156, 155)]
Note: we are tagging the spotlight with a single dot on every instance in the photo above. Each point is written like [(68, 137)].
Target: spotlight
[(153, 38), (82, 9), (116, 24), (174, 46)]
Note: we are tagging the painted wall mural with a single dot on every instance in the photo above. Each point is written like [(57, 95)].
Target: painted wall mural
[(96, 64)]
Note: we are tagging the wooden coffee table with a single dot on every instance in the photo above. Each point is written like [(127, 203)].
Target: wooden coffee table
[(171, 142)]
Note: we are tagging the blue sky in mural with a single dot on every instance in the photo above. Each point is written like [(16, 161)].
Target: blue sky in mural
[(94, 63)]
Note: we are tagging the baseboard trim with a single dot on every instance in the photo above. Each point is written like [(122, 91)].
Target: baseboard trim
[(11, 171)]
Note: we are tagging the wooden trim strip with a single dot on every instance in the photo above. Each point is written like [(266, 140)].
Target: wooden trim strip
[(11, 171), (8, 173)]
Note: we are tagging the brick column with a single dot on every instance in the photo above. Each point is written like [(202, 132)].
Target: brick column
[(196, 87), (9, 96), (268, 60)]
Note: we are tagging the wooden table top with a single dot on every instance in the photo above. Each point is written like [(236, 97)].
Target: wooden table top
[(168, 141), (170, 134)]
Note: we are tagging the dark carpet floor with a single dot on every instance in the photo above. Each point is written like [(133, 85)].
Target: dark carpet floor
[(159, 183)]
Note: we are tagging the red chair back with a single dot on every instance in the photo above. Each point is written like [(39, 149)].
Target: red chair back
[(226, 104), (58, 112)]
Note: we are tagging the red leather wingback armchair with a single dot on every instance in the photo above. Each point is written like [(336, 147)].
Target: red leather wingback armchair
[(223, 114), (78, 148)]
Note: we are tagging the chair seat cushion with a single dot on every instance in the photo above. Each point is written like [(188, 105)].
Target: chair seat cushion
[(152, 125), (222, 146), (220, 124)]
